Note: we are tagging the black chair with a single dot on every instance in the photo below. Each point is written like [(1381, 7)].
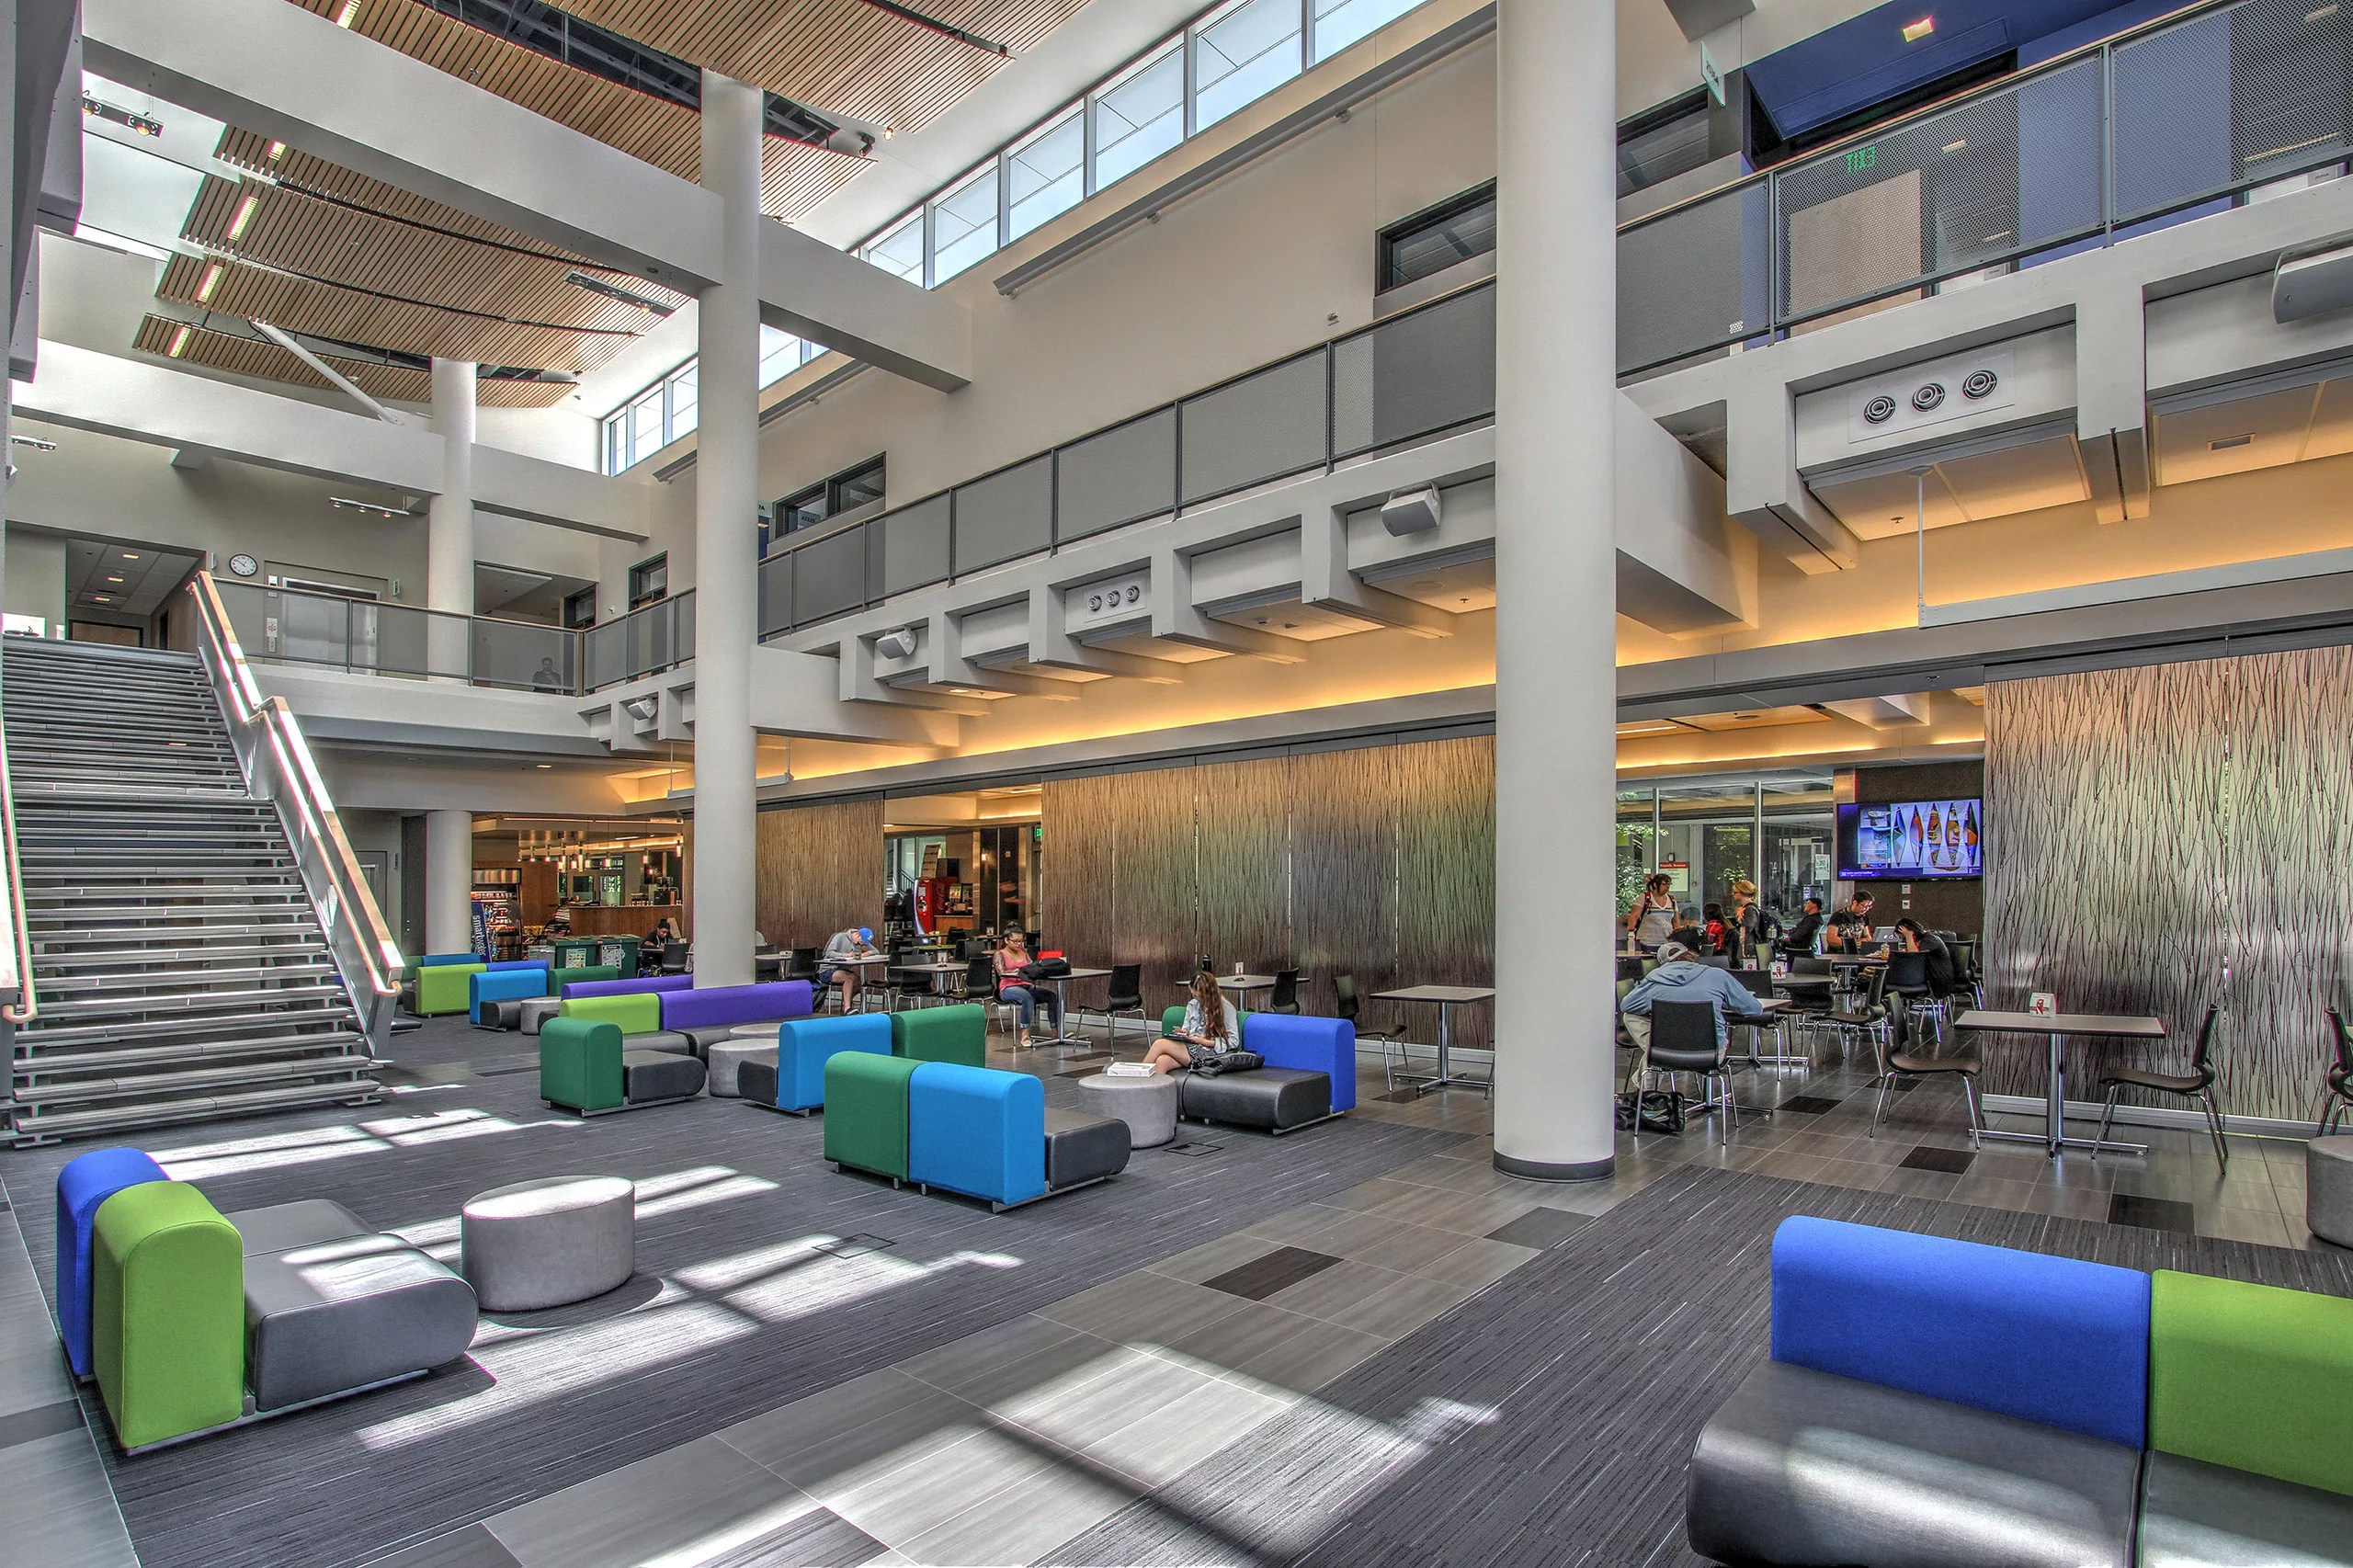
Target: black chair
[(2339, 1097), (1630, 966), (980, 985), (1392, 1039), (1907, 982), (1284, 997), (1894, 1065), (674, 958), (1683, 1040), (2198, 1082), (1716, 961), (801, 963), (1122, 994), (1865, 1015)]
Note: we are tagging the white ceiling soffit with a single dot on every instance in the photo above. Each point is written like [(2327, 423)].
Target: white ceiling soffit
[(1883, 713), (2261, 423), (1924, 408), (1967, 481)]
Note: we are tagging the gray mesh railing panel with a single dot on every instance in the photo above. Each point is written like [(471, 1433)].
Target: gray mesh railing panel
[(393, 641), (1260, 427), (604, 652), (1123, 475), (2172, 116), (776, 593), (1005, 515), (529, 658), (829, 576), (1940, 195), (1695, 278), (1427, 371), (915, 546)]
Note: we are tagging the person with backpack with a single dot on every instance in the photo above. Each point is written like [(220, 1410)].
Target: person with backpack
[(1209, 1031), (1013, 985)]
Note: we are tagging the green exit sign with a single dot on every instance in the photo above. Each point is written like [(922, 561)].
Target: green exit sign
[(1860, 158)]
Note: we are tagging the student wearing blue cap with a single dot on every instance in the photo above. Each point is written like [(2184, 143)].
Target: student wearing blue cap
[(854, 943)]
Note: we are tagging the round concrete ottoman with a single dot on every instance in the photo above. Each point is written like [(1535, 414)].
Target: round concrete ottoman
[(766, 1031), (727, 1055), (544, 1244), (1147, 1104), (2328, 1188)]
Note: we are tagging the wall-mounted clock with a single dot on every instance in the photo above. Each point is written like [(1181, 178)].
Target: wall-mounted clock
[(244, 565)]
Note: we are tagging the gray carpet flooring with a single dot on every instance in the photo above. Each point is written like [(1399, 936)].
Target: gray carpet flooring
[(1549, 1420), (313, 1489)]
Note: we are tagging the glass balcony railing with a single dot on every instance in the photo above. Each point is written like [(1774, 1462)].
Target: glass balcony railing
[(281, 626), (2159, 125), (1413, 377)]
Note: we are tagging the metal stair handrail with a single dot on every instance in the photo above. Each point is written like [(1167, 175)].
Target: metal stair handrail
[(17, 959), (278, 768)]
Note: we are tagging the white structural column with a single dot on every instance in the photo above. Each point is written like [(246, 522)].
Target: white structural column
[(1555, 623), (727, 501), (449, 526), (448, 882)]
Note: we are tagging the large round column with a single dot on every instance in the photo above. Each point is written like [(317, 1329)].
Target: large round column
[(727, 504), (449, 520), (448, 882), (1556, 277)]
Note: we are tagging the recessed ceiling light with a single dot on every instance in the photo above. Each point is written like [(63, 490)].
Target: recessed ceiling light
[(180, 341), (101, 598), (350, 10), (130, 556), (543, 765), (244, 214), (115, 578), (1913, 31), (212, 280)]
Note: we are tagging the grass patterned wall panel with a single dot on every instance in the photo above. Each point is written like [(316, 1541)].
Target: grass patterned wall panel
[(1246, 862), (1446, 876), (1156, 883), (1344, 875), (819, 870), (2164, 838), (1075, 872), (2288, 884)]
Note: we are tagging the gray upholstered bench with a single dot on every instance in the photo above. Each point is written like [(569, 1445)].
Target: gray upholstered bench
[(1275, 1099), (333, 1307), (1082, 1148), (548, 1242)]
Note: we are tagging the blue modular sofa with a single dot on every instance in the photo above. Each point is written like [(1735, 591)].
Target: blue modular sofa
[(1935, 1403), (1310, 1075), (975, 1131), (795, 1081)]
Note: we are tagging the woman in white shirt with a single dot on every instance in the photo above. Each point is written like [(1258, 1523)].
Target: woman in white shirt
[(1210, 1030)]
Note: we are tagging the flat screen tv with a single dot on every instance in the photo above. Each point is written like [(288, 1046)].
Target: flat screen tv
[(1912, 840)]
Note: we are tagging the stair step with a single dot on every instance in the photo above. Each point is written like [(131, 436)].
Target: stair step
[(182, 1051), (43, 1128), (43, 1034), (126, 985), (187, 945), (84, 1090)]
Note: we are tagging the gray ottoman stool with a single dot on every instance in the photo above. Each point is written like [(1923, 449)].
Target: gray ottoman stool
[(726, 1056), (537, 1011), (2328, 1188), (1147, 1104), (543, 1243), (762, 1031)]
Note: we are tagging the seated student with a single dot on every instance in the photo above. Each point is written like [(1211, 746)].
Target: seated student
[(1850, 928), (1210, 1030), (1011, 955), (1799, 941), (854, 943), (1679, 977), (650, 945), (1917, 938)]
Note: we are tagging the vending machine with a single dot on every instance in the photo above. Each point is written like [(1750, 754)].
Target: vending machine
[(931, 903)]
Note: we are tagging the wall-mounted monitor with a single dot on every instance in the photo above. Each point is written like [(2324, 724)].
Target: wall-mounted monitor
[(1912, 840)]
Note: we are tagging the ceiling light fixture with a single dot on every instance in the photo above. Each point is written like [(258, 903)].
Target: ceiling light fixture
[(101, 599), (277, 151), (210, 281), (114, 578), (180, 341), (343, 17), (140, 123), (244, 214), (946, 29), (1912, 32), (615, 291), (369, 506), (35, 442)]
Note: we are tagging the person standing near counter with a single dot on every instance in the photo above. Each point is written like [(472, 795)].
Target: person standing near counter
[(1653, 915)]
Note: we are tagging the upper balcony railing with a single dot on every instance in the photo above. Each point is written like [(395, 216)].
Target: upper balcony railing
[(2165, 123), (1414, 376), (287, 626)]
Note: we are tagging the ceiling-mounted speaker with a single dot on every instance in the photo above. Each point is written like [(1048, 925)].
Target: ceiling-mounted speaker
[(1412, 511), (899, 645)]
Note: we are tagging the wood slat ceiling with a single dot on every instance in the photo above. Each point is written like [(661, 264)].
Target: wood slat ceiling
[(266, 361), (839, 55), (456, 320), (794, 178)]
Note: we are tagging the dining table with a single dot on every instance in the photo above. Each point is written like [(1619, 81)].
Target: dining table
[(1445, 998), (2056, 1029), (1058, 981)]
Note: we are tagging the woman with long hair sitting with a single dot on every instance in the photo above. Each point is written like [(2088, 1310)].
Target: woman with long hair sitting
[(1210, 1031)]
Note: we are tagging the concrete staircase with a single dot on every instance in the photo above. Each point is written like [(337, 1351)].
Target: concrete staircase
[(177, 966)]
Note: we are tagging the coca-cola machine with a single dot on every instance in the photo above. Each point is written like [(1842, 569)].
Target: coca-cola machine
[(931, 903)]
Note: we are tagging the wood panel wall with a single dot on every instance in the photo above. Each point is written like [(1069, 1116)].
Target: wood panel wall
[(2163, 839), (1377, 862), (819, 870)]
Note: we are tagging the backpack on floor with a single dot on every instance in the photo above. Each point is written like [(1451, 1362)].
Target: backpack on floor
[(1661, 1112)]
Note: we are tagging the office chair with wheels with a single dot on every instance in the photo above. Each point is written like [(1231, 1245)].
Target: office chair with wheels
[(1284, 997)]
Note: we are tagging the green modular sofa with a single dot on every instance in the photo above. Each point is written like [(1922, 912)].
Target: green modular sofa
[(586, 1065), (866, 1111), (441, 987), (959, 1034)]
